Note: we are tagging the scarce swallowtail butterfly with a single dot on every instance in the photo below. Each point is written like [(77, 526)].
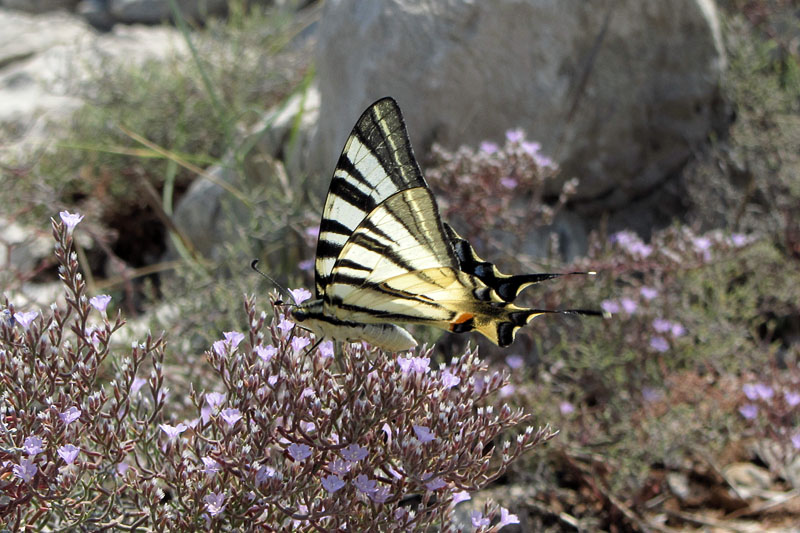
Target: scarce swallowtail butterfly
[(385, 257)]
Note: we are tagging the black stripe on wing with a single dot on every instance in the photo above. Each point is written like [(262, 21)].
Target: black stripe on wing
[(357, 186), (506, 286)]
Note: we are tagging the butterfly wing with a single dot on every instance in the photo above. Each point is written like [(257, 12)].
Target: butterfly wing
[(401, 235), (376, 163)]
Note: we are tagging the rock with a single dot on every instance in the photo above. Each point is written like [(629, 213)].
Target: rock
[(157, 11), (97, 14), (39, 6), (45, 63), (620, 93), (200, 214), (23, 249), (748, 479)]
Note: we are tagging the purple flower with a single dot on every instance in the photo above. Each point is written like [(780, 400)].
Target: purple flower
[(25, 470), (419, 365), (215, 399), (509, 183), (532, 148), (311, 231), (332, 483), (298, 343), (285, 325), (701, 244), (300, 452), (231, 415), (70, 220), (173, 431), (6, 318), (739, 240), (449, 380), (515, 136), (137, 384), (610, 306), (211, 466), (750, 391), (796, 441), (659, 344), (507, 390), (301, 295), (515, 361), (326, 349), (122, 469), (478, 520), (215, 503), (650, 394), (340, 467), (33, 445), (220, 348), (661, 325), (272, 380), (648, 293), (764, 391), (100, 302), (792, 398), (628, 305), (749, 411), (380, 495), (566, 408), (641, 249), (365, 484), (266, 352), (423, 434), (265, 473), (68, 453), (459, 497), (507, 518), (354, 452), (306, 265), (233, 338), (488, 147), (25, 319), (435, 484), (70, 415), (542, 160), (677, 329)]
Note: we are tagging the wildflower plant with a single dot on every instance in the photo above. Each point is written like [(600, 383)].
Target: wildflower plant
[(64, 431), (295, 436), (497, 187)]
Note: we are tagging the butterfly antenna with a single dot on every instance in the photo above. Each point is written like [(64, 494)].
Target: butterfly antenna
[(254, 266)]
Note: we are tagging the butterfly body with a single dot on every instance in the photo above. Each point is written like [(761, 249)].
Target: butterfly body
[(384, 256)]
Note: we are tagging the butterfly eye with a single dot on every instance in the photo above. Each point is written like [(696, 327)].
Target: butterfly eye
[(299, 315)]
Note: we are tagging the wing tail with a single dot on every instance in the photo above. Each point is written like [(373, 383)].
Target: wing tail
[(500, 324), (506, 286)]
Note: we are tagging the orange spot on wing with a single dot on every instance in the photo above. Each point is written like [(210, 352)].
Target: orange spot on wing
[(460, 319)]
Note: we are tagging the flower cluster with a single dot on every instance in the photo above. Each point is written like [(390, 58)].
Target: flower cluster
[(296, 436), (68, 433), (324, 442), (774, 409), (511, 179)]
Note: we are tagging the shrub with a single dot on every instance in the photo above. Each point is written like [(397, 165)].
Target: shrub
[(295, 437)]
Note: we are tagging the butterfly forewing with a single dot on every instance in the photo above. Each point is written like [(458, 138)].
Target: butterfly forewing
[(377, 162)]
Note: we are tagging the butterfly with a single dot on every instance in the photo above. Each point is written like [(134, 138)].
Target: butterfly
[(385, 257)]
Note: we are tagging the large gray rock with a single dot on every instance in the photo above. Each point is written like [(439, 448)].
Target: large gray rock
[(619, 92), (155, 11), (46, 62), (39, 6)]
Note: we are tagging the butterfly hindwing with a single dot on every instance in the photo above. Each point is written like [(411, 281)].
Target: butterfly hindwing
[(506, 286)]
